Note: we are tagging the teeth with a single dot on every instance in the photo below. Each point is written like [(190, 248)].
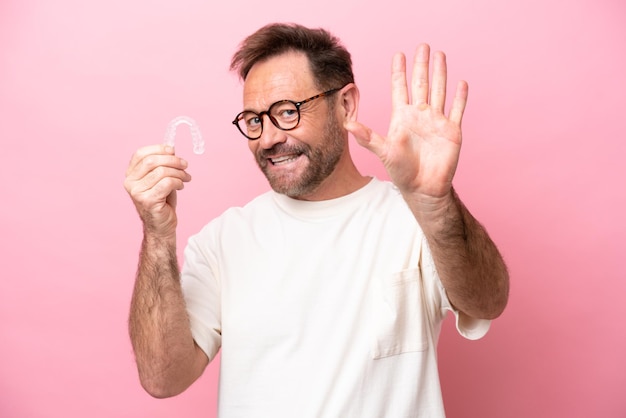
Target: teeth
[(284, 159)]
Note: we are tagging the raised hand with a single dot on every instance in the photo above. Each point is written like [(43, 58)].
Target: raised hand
[(153, 176), (421, 149), (167, 358)]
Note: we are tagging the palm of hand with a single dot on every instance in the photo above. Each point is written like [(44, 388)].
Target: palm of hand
[(421, 149)]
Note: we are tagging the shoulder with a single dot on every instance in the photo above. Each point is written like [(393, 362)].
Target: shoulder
[(386, 196), (238, 217)]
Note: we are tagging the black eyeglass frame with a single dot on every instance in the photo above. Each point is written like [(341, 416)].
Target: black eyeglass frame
[(273, 120)]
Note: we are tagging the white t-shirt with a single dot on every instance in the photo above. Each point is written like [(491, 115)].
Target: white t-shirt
[(321, 309)]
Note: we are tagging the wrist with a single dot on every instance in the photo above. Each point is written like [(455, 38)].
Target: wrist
[(429, 207), (159, 240)]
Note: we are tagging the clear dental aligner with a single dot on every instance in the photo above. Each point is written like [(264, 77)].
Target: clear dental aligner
[(196, 136)]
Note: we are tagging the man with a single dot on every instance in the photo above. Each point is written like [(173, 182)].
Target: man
[(326, 294)]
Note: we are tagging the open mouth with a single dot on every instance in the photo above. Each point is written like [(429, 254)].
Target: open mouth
[(284, 159)]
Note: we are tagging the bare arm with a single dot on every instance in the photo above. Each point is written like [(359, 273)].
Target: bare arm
[(168, 360), (469, 264), (420, 153)]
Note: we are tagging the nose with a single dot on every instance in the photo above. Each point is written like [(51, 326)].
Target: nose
[(271, 135)]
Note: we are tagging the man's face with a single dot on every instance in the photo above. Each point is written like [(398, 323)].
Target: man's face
[(297, 162)]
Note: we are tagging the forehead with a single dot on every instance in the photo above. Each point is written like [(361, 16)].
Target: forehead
[(285, 76)]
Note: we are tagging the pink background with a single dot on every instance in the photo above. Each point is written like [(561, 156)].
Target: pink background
[(84, 83)]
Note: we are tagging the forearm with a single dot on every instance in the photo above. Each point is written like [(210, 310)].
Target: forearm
[(469, 264), (159, 328)]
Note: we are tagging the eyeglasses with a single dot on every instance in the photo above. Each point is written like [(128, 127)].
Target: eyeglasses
[(284, 114)]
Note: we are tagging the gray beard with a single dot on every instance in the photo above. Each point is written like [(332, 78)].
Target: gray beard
[(322, 161)]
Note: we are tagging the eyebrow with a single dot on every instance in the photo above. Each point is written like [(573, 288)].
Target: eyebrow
[(268, 107)]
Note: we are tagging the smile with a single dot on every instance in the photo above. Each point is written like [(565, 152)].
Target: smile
[(284, 159)]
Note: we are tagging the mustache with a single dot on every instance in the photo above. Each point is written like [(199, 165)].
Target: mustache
[(282, 148)]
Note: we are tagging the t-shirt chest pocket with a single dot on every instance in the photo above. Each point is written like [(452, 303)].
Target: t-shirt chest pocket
[(398, 319)]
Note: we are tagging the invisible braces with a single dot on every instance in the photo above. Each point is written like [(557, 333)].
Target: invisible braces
[(196, 136)]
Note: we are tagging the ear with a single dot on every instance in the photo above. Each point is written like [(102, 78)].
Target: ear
[(349, 102)]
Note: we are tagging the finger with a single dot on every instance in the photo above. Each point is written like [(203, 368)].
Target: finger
[(159, 173), (152, 161), (366, 137), (152, 197), (459, 102), (419, 81), (165, 188), (172, 198), (142, 180), (361, 133), (399, 90), (143, 152), (438, 85)]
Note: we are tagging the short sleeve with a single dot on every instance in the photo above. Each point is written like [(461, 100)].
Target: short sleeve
[(201, 290), (468, 327)]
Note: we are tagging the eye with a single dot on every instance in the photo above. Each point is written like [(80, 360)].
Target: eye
[(252, 120), (288, 114), (285, 112)]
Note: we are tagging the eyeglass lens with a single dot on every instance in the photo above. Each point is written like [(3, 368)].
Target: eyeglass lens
[(284, 115)]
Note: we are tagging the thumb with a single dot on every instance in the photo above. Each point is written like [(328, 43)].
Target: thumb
[(172, 199), (365, 136)]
